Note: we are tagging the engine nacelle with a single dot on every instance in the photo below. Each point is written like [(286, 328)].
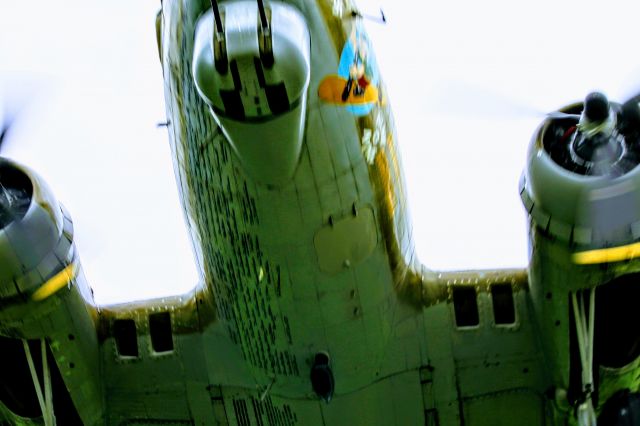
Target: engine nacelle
[(582, 197), (44, 298)]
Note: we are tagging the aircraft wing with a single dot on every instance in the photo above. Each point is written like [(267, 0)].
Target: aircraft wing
[(481, 361)]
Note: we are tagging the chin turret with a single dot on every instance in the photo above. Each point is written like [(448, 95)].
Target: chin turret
[(251, 66)]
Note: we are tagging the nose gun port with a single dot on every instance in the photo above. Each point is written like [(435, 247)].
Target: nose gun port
[(219, 42), (265, 41), (251, 66)]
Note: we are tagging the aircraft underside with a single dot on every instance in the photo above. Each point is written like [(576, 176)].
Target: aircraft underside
[(312, 307)]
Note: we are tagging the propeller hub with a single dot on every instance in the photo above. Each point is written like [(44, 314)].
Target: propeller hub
[(596, 107), (597, 150)]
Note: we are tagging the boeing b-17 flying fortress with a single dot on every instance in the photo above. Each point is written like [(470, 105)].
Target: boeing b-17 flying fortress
[(312, 307)]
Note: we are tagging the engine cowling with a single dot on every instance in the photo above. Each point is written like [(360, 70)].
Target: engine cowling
[(586, 208), (32, 246)]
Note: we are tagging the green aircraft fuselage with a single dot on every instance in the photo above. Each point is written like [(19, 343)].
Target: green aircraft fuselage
[(312, 308)]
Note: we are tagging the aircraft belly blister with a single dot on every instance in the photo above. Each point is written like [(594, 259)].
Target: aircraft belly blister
[(312, 307)]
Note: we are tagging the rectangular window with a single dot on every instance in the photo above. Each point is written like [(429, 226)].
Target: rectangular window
[(124, 331), (465, 305), (160, 331), (504, 311)]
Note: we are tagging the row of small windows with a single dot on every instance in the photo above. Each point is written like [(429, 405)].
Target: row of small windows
[(126, 336), (465, 305)]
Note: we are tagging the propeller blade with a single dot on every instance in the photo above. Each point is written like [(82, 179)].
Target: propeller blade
[(4, 131), (631, 113), (460, 98), (633, 100), (557, 115)]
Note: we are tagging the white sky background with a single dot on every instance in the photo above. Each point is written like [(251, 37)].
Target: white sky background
[(468, 81)]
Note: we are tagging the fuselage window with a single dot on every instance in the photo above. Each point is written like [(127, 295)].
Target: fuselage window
[(504, 311), (160, 331), (465, 306), (124, 331)]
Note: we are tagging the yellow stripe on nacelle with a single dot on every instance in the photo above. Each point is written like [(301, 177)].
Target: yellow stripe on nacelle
[(607, 255), (55, 283)]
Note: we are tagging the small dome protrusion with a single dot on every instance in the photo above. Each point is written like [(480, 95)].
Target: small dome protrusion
[(322, 377)]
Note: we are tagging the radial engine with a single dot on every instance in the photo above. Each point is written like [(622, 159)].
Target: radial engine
[(581, 191)]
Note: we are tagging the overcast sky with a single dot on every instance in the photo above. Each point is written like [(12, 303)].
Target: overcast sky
[(469, 81)]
